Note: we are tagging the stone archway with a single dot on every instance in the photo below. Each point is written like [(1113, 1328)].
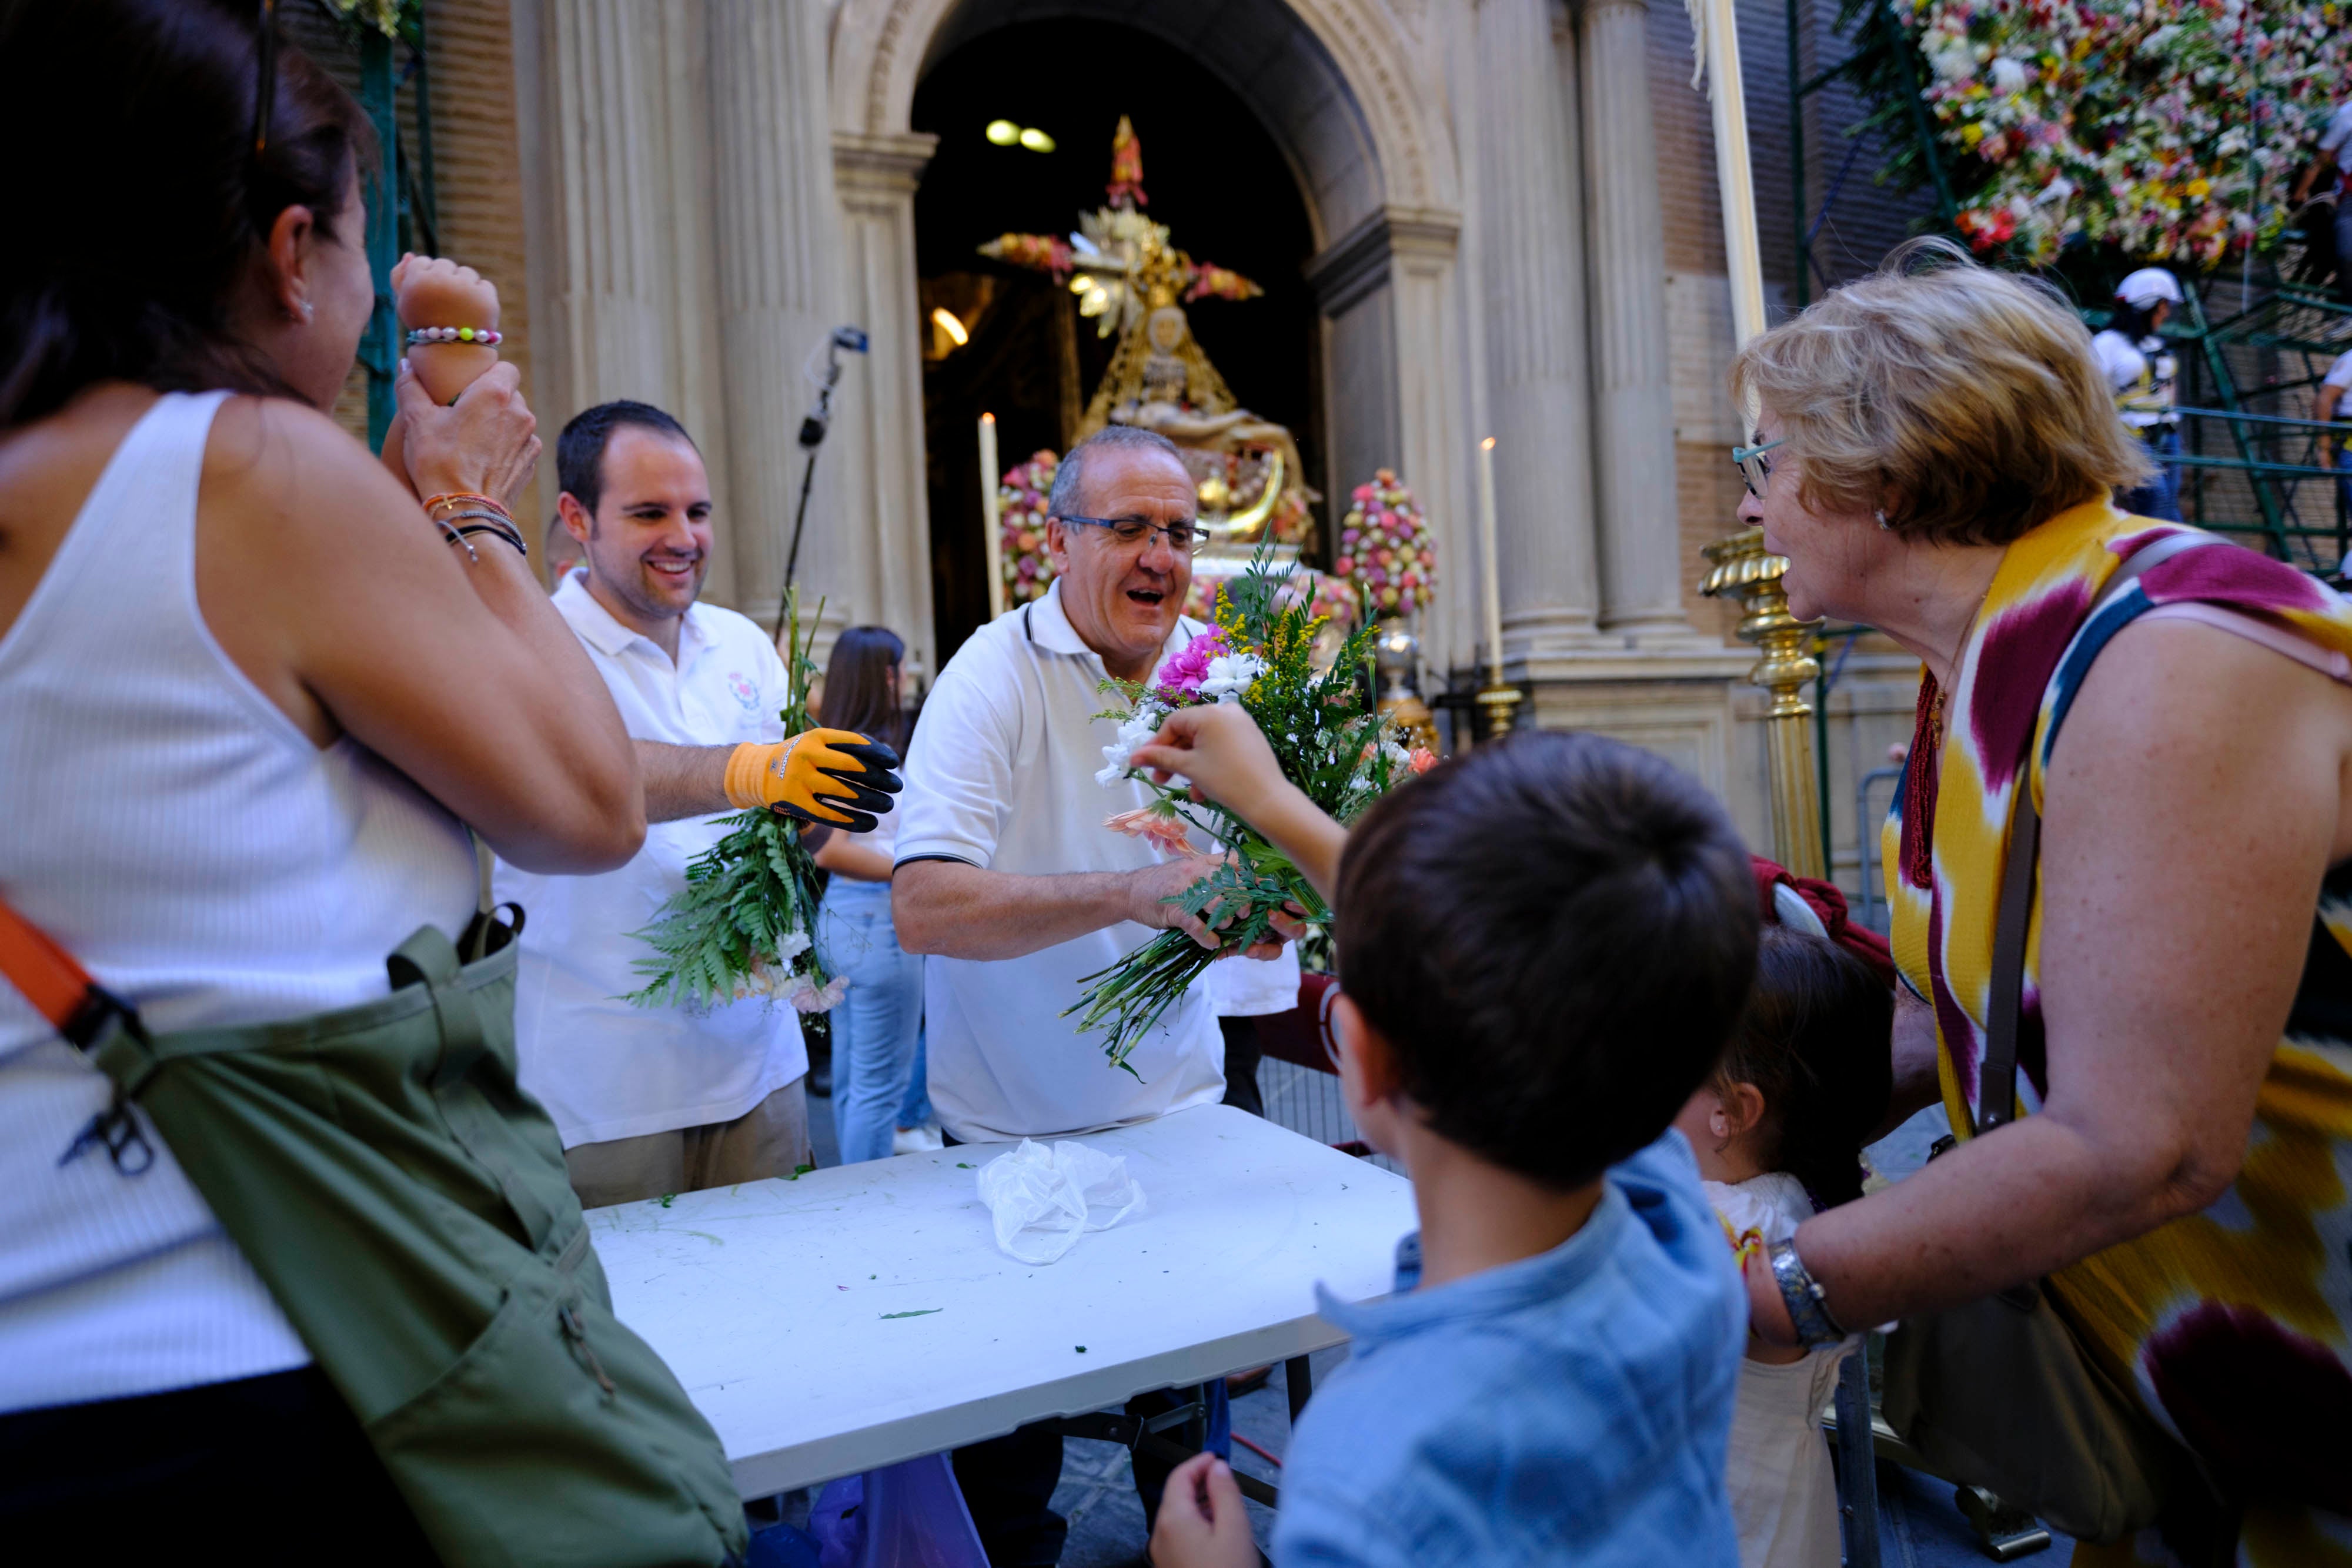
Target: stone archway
[(1344, 88)]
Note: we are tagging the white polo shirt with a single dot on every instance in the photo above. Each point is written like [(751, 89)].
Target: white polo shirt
[(1001, 775), (604, 1068)]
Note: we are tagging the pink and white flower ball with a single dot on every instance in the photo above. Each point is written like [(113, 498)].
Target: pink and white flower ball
[(1385, 545)]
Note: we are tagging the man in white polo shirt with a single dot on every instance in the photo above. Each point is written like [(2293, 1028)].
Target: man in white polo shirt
[(659, 1100), (1006, 876), (1008, 880)]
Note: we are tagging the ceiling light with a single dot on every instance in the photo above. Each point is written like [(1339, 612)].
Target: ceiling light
[(1036, 140), (944, 318), (1003, 132)]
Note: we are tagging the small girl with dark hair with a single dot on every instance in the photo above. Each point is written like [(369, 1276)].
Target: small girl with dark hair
[(1778, 1131), (877, 1028)]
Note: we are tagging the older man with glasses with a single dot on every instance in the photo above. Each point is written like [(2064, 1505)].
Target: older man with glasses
[(1008, 880)]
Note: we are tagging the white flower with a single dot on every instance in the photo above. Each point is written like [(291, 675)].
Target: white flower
[(1230, 674), (1139, 727), (2008, 76), (791, 947), (806, 997)]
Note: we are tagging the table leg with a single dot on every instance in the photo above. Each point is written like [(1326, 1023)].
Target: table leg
[(1298, 1378)]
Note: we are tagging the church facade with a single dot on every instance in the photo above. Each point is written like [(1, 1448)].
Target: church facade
[(1515, 233)]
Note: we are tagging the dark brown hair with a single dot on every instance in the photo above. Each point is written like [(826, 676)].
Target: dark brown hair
[(1556, 933), (140, 206), (1814, 1040), (857, 692)]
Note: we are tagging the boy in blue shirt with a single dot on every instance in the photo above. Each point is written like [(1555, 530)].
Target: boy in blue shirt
[(1544, 947)]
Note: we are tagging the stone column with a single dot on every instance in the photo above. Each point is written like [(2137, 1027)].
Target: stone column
[(1634, 419), (620, 204), (1532, 245), (611, 272), (777, 239), (879, 420)]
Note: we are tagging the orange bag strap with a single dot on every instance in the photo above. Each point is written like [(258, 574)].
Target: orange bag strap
[(59, 988), (81, 1010)]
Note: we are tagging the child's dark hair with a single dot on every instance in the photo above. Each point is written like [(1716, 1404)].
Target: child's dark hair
[(1556, 935), (1813, 1041)]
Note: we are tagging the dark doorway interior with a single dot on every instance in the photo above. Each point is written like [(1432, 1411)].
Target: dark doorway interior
[(1211, 172)]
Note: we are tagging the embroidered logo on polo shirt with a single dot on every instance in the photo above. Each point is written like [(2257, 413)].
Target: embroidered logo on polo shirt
[(745, 691)]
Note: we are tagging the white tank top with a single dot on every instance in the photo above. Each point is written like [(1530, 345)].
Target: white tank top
[(174, 830)]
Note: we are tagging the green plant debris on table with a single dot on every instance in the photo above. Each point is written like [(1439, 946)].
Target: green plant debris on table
[(917, 1312)]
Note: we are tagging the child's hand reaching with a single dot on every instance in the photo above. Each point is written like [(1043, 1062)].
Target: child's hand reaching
[(1202, 1523), (1218, 748)]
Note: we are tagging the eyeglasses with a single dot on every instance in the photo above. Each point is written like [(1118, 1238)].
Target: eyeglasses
[(1755, 472), (1184, 539), (265, 86)]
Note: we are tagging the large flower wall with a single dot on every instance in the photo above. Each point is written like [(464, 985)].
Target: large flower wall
[(2169, 130)]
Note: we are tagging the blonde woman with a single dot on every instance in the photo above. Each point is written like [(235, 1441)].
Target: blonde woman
[(1934, 456)]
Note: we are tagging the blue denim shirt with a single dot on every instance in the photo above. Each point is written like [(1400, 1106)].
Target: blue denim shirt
[(1572, 1408)]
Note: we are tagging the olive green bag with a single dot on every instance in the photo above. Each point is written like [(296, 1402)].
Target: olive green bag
[(407, 1205)]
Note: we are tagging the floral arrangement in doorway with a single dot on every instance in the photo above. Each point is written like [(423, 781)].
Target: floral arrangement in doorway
[(1327, 738), (1021, 527), (1385, 545), (743, 925), (2169, 130)]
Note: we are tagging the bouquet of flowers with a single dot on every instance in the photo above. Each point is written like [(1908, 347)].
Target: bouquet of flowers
[(2170, 132), (1021, 524), (1385, 545), (1324, 733), (742, 926)]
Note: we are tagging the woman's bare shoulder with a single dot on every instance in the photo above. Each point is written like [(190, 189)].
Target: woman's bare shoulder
[(286, 462)]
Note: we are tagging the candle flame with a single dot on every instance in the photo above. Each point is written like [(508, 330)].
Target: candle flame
[(1488, 443), (988, 419)]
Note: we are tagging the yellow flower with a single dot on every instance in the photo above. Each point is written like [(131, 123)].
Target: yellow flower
[(1972, 133), (2197, 187)]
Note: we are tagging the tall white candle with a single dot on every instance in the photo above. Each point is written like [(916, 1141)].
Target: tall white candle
[(1490, 568), (992, 532)]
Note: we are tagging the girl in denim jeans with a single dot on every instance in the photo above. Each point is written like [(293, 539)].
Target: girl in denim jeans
[(876, 1028)]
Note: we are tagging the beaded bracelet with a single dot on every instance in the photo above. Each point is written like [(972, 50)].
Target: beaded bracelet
[(1802, 1295), (483, 335)]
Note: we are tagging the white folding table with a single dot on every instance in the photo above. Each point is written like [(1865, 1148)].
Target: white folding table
[(863, 1315)]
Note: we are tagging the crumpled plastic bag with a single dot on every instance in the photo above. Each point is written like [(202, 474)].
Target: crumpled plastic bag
[(1042, 1200)]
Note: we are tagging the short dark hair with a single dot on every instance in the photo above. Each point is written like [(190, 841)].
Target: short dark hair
[(1815, 1041), (139, 226), (580, 450), (1556, 933), (1070, 473)]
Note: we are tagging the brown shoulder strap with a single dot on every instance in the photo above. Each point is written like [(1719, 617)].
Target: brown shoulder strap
[(2006, 1003)]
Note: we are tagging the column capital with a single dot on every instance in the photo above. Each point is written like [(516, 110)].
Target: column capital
[(1356, 263), (891, 163)]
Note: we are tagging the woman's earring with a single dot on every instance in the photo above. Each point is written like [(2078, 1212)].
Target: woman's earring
[(1881, 514)]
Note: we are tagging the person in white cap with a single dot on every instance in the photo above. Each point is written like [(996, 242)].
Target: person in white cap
[(2140, 367), (2335, 446), (2334, 158)]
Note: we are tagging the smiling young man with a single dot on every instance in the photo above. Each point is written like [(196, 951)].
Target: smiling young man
[(658, 1100)]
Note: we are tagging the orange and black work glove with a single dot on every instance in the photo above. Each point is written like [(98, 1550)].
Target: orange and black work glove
[(835, 777)]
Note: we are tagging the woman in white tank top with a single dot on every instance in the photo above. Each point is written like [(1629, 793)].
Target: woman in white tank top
[(248, 697)]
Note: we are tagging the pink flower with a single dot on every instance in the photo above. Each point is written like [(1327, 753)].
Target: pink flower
[(1179, 678), (1344, 565), (1155, 826), (1420, 759)]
